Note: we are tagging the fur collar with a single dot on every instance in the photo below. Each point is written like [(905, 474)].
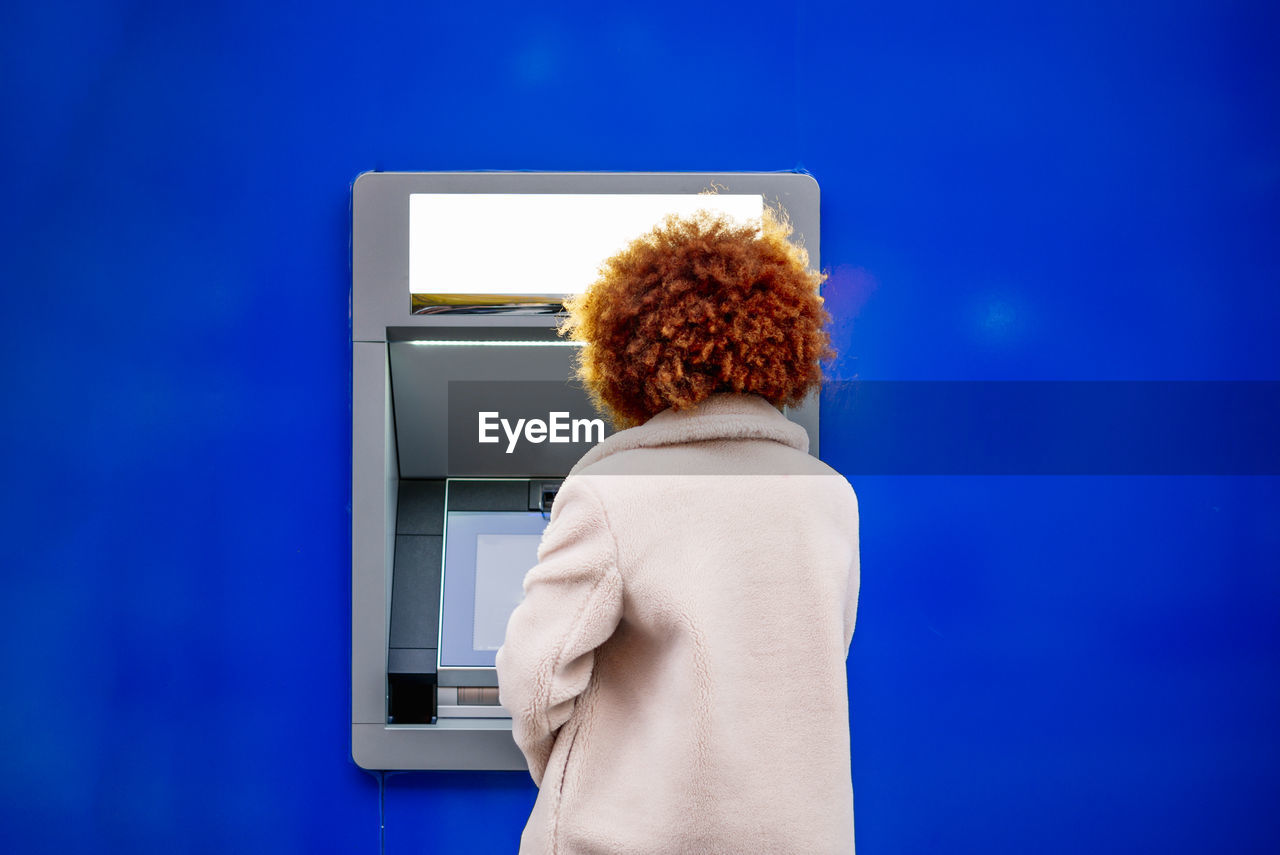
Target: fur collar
[(722, 416)]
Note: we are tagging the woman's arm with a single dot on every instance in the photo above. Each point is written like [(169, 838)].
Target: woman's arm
[(572, 603)]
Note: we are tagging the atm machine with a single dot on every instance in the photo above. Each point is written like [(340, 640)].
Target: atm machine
[(466, 419)]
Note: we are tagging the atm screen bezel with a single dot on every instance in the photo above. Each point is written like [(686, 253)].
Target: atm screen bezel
[(456, 651)]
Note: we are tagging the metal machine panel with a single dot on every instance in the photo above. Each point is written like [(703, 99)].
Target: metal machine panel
[(401, 398)]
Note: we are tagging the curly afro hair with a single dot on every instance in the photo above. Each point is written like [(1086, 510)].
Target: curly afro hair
[(701, 305)]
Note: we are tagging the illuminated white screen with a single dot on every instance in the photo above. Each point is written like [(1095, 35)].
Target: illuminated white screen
[(533, 243), (502, 560)]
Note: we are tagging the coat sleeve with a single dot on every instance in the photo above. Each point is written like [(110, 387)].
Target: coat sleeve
[(855, 577), (572, 604)]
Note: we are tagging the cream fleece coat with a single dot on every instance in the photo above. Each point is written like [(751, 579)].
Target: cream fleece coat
[(676, 670)]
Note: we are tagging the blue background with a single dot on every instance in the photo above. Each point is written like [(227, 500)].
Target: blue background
[(1010, 191)]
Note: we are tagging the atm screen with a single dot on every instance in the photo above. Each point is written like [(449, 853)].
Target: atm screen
[(486, 557), (501, 562)]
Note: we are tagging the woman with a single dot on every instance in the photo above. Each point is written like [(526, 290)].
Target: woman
[(676, 670)]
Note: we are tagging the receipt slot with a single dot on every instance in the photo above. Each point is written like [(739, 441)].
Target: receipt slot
[(466, 418)]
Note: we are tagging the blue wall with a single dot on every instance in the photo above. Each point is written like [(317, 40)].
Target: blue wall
[(1011, 191)]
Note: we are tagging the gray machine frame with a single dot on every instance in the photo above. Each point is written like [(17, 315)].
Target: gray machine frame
[(380, 314)]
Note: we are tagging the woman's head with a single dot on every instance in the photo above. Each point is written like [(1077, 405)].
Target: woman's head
[(701, 305)]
